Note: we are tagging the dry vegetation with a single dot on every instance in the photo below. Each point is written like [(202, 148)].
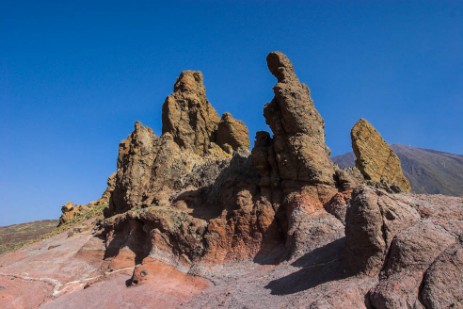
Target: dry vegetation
[(15, 236)]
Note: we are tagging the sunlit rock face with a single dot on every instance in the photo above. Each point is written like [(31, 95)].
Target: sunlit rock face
[(376, 160)]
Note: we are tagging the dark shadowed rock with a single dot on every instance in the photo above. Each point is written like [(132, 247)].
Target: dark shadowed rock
[(375, 159), (197, 199)]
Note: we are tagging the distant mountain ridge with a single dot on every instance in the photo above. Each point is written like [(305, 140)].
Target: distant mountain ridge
[(429, 171)]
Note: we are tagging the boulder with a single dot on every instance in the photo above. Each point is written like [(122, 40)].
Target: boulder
[(443, 285), (373, 219), (412, 252)]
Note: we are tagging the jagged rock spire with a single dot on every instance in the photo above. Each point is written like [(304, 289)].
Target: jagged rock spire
[(192, 121), (188, 115)]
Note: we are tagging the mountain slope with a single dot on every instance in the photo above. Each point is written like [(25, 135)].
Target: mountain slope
[(429, 171), (13, 236)]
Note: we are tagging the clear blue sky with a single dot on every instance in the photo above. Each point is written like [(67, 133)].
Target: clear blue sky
[(76, 75)]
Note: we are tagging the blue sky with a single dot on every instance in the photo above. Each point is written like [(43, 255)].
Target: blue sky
[(76, 75)]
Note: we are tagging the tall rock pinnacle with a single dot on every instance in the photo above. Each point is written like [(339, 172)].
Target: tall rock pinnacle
[(375, 159), (188, 115), (298, 128), (192, 121)]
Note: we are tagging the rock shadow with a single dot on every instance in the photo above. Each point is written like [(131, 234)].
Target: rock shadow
[(129, 234), (319, 266)]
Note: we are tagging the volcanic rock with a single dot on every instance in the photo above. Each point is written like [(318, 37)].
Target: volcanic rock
[(373, 219), (411, 253), (232, 132), (309, 225), (149, 168), (375, 159), (294, 165), (187, 114), (179, 205), (298, 129), (181, 198), (443, 284)]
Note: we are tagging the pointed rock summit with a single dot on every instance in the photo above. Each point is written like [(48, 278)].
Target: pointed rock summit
[(192, 121), (296, 173), (188, 115), (298, 129), (375, 159)]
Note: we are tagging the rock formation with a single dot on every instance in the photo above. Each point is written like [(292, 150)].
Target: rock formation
[(298, 130), (192, 121), (197, 200), (401, 237), (71, 213), (233, 133), (187, 114), (372, 221), (375, 159), (294, 165)]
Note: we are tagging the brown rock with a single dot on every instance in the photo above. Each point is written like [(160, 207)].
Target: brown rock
[(187, 114), (232, 132), (135, 162), (148, 170), (298, 129), (375, 159)]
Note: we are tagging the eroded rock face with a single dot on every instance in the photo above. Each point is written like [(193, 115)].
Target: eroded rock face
[(191, 194), (187, 114), (194, 124), (142, 158), (373, 219), (298, 129), (443, 284), (71, 213), (232, 133), (411, 253), (375, 159), (294, 166), (195, 197), (399, 238), (309, 225)]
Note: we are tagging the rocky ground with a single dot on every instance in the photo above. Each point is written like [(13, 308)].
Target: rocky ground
[(70, 270)]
